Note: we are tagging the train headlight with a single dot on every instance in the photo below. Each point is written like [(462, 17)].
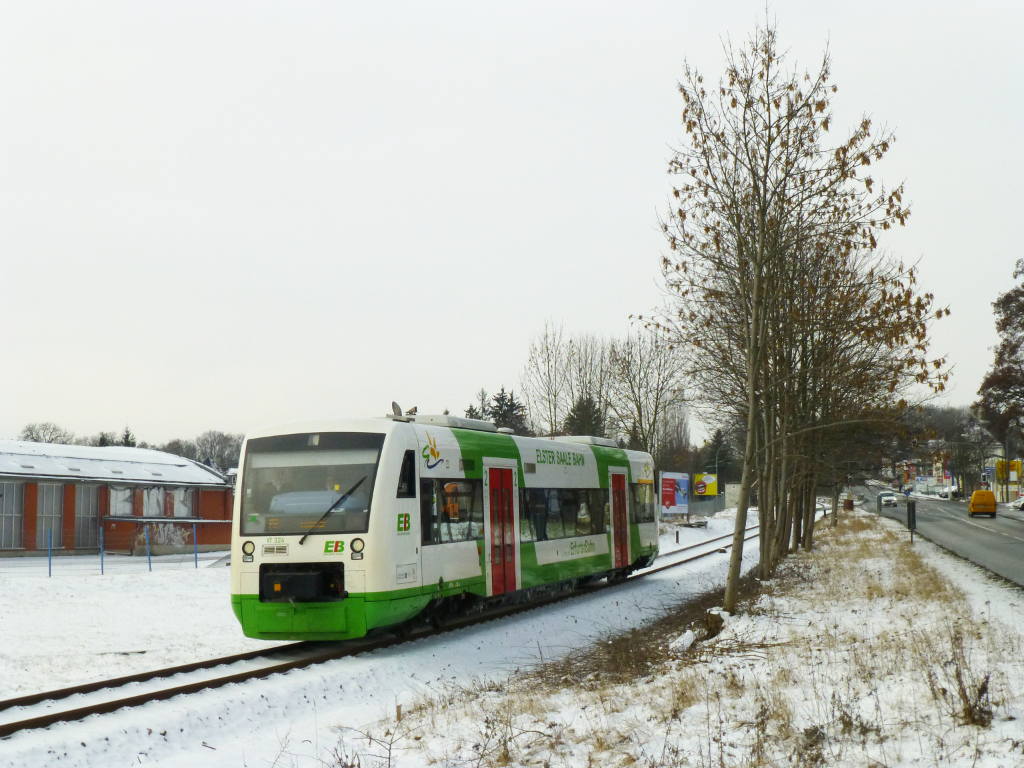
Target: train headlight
[(248, 548), (357, 545)]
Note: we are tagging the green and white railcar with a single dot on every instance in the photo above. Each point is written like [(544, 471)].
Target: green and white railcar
[(342, 527)]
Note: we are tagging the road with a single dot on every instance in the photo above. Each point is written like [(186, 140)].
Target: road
[(993, 543)]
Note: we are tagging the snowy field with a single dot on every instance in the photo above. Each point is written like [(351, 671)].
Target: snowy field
[(80, 626), (868, 652)]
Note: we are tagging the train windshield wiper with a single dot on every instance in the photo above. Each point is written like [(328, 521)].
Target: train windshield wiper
[(334, 506)]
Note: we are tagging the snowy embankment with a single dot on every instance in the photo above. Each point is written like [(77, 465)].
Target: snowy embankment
[(868, 652), (79, 626)]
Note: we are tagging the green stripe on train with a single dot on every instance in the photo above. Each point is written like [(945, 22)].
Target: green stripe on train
[(533, 574), (608, 458), (480, 445)]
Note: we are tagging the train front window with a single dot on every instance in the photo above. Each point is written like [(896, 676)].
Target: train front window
[(291, 481)]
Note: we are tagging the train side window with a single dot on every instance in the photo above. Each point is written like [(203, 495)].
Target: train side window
[(558, 513), (568, 503), (477, 513), (451, 510), (428, 513), (597, 504), (462, 514), (531, 515), (407, 477), (553, 520), (643, 503)]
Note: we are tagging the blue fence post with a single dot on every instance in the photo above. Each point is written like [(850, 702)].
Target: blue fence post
[(49, 551), (101, 549), (195, 544), (149, 556)]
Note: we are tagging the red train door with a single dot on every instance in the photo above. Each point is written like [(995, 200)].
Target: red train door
[(503, 541), (620, 522)]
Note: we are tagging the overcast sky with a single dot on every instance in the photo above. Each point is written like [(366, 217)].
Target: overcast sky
[(228, 214)]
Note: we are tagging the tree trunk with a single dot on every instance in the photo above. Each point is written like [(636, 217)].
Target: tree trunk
[(798, 516), (753, 358), (766, 505), (809, 501), (782, 517)]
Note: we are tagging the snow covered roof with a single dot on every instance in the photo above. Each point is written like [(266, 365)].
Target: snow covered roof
[(113, 464)]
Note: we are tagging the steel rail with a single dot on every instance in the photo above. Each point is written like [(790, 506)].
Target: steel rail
[(41, 721), (141, 677), (702, 543), (351, 648), (648, 572)]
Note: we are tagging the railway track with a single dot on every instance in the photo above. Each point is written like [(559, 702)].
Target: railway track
[(101, 697), (703, 543)]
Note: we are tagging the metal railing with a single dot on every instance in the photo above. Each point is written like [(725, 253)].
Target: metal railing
[(103, 561)]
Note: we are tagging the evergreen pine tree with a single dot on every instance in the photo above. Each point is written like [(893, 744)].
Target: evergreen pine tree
[(584, 418), (506, 411)]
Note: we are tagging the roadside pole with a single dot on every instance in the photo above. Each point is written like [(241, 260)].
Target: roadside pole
[(911, 518)]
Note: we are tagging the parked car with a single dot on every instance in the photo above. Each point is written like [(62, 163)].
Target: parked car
[(888, 498), (982, 503), (1019, 504)]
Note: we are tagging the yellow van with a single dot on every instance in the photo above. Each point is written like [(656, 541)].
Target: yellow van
[(982, 503)]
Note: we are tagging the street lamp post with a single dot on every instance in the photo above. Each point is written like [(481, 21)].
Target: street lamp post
[(717, 451)]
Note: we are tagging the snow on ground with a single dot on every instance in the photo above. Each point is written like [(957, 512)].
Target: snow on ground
[(867, 652), (79, 626)]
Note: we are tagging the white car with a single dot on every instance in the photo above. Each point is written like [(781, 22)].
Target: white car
[(887, 498)]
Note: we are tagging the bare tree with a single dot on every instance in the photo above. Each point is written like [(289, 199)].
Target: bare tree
[(645, 386), (675, 451), (793, 325), (46, 432), (220, 449), (588, 371), (179, 447), (544, 379)]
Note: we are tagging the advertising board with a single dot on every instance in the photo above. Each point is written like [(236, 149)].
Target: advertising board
[(675, 493), (705, 484)]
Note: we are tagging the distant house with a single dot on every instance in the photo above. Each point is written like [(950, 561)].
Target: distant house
[(62, 496)]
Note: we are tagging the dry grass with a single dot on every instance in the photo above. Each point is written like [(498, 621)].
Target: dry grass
[(633, 655)]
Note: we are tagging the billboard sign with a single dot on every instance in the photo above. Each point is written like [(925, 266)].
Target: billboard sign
[(675, 493), (705, 484)]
